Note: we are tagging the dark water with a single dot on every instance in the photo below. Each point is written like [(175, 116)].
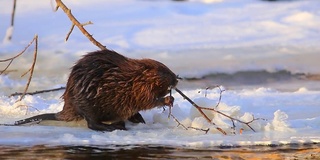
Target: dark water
[(309, 151)]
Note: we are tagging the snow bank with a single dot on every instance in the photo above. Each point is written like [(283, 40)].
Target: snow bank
[(275, 126)]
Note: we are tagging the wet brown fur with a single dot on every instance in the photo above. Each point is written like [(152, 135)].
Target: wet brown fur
[(106, 86)]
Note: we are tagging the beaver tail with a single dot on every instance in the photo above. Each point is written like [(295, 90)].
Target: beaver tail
[(35, 119)]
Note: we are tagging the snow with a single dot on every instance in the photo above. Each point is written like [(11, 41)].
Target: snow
[(282, 118), (193, 38), (8, 35)]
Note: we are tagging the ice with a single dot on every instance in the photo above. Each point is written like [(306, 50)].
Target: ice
[(273, 124), (278, 123)]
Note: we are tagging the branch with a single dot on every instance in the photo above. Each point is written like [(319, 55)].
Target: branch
[(199, 108), (9, 32), (199, 129), (16, 56), (37, 92), (194, 104), (75, 22), (22, 105), (13, 12), (220, 94), (186, 128), (32, 66), (6, 67), (72, 27), (68, 34), (179, 124)]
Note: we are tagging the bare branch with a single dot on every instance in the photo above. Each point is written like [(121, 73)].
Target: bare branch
[(14, 57), (231, 118), (194, 104), (38, 92), (13, 12), (26, 72), (170, 106), (68, 34), (6, 67), (22, 105), (75, 22), (199, 108), (179, 124), (32, 66), (72, 27), (220, 94), (87, 23), (9, 32), (8, 59), (8, 71), (200, 129)]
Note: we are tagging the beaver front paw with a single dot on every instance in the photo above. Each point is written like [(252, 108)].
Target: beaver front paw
[(168, 101)]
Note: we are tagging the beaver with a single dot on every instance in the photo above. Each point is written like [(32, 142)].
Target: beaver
[(105, 86)]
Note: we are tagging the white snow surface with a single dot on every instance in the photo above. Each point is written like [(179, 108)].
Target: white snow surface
[(282, 118), (193, 38)]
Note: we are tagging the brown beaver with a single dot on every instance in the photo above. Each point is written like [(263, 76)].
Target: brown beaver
[(107, 86)]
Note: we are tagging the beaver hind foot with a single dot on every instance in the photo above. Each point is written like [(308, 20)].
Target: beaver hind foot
[(120, 125), (137, 118), (98, 126)]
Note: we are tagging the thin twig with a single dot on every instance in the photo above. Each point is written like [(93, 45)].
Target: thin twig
[(179, 124), (12, 18), (27, 108), (26, 72), (8, 71), (38, 92), (13, 12), (194, 104), (68, 34), (8, 59), (231, 118), (87, 23), (74, 21), (199, 108), (220, 94), (32, 66), (6, 67), (186, 128), (72, 27), (200, 129), (170, 106), (14, 57)]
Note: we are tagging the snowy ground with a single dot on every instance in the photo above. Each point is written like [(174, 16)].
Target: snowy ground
[(287, 117), (193, 38)]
